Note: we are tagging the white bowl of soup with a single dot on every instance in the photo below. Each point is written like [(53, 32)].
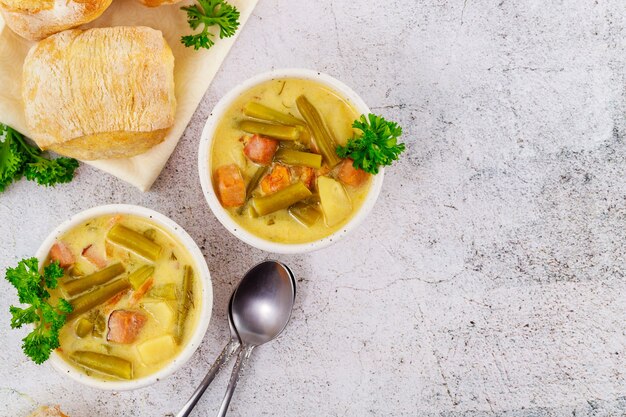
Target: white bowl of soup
[(141, 295), (268, 163)]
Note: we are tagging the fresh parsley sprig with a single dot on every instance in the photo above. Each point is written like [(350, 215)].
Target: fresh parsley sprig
[(210, 13), (18, 157), (377, 146), (48, 319)]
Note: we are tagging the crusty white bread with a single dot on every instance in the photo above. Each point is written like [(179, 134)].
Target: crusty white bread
[(101, 93), (30, 6), (46, 411), (38, 19)]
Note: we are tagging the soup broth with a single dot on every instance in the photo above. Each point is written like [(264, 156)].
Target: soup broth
[(239, 160), (135, 294)]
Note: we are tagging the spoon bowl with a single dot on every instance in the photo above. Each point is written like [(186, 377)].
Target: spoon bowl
[(262, 303)]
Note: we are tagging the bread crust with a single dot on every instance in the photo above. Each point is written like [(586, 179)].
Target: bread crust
[(157, 3), (38, 19), (101, 93), (28, 6), (45, 411)]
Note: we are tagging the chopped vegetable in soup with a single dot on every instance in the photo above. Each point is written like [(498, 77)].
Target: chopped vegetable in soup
[(134, 295), (276, 169)]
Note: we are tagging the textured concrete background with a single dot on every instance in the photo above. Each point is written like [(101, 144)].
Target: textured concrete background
[(490, 277)]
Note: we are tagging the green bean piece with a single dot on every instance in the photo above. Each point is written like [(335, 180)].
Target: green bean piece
[(251, 212), (150, 234), (185, 300), (134, 241), (314, 199), (140, 275), (252, 184), (87, 301), (167, 292), (107, 364), (99, 326), (305, 137), (280, 199), (76, 271), (296, 145), (305, 214), (275, 131), (293, 157), (323, 137), (79, 285), (260, 111), (254, 181), (83, 327)]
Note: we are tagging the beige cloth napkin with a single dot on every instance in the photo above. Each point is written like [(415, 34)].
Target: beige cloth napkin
[(193, 72)]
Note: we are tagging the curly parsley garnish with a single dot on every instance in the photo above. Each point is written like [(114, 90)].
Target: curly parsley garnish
[(210, 13), (18, 157), (47, 318), (377, 146)]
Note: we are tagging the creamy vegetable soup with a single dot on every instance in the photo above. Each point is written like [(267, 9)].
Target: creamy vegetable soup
[(275, 166), (134, 294)]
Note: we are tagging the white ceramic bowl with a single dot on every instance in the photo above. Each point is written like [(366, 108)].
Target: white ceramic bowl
[(205, 280), (205, 168)]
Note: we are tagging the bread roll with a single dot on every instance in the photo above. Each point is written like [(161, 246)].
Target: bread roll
[(156, 3), (38, 19), (101, 93), (46, 411)]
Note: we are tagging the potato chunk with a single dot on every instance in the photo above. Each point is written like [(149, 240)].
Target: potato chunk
[(157, 349), (161, 312), (336, 204)]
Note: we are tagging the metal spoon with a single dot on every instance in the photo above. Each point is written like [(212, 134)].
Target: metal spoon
[(223, 357), (262, 278), (259, 312)]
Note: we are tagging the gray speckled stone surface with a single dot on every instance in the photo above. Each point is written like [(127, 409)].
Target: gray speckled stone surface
[(490, 277)]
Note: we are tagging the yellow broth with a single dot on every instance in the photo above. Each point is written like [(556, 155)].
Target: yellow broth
[(281, 95), (160, 312)]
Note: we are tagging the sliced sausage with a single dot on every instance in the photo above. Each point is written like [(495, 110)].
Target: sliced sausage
[(260, 149), (350, 175), (61, 252), (231, 188), (124, 326), (277, 179)]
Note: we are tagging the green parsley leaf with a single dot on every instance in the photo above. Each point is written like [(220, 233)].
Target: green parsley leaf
[(46, 318), (52, 273), (65, 306), (18, 157), (11, 159), (51, 171), (377, 146), (21, 316), (210, 13)]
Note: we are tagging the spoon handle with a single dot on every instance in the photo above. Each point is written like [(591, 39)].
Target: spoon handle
[(227, 352), (242, 359)]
